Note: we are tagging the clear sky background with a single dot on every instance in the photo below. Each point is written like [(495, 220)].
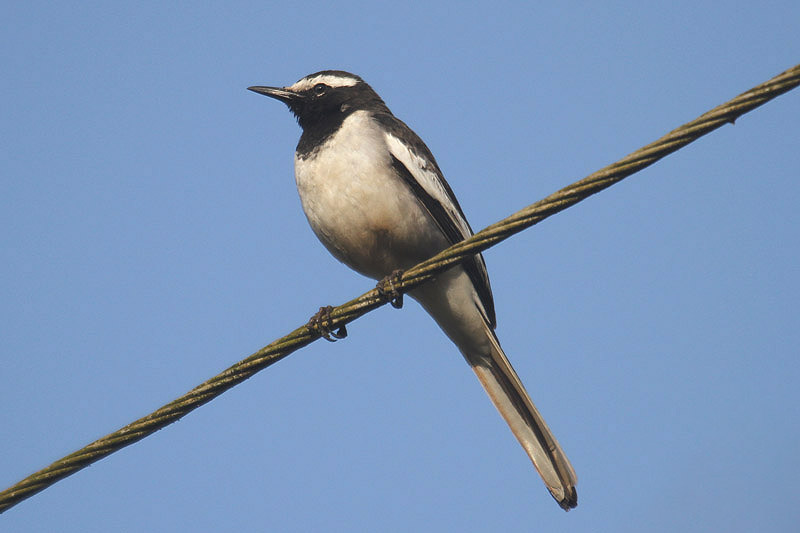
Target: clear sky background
[(152, 236)]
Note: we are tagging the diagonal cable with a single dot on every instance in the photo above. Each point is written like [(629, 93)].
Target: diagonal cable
[(343, 314)]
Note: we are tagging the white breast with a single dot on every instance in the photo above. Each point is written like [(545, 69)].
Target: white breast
[(363, 213)]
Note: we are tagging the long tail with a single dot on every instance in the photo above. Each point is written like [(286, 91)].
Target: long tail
[(455, 305), (509, 396)]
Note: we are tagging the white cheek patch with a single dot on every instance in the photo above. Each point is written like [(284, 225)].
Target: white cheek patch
[(331, 80)]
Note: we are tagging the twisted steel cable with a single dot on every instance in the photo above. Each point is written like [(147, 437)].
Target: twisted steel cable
[(343, 314)]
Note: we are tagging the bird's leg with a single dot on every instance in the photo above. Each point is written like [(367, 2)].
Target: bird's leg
[(321, 323), (387, 288)]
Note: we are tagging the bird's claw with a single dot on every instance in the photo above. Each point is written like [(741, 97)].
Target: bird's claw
[(387, 288), (321, 323)]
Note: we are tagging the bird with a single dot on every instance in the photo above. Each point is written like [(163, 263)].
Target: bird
[(375, 196)]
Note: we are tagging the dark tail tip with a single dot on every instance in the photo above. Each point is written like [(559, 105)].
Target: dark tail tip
[(570, 500)]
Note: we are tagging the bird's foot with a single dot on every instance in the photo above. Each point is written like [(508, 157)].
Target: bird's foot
[(387, 288), (321, 323)]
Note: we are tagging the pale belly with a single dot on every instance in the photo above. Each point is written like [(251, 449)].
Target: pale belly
[(366, 217)]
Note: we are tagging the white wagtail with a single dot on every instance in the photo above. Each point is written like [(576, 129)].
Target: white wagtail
[(374, 195)]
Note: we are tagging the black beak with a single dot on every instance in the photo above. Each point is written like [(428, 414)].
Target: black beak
[(285, 96)]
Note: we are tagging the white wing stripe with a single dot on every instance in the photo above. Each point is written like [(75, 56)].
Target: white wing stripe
[(428, 179)]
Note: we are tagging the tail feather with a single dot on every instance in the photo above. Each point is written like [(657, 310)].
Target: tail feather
[(456, 306), (509, 396)]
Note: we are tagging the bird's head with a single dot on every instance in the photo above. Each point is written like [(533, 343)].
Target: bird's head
[(325, 95)]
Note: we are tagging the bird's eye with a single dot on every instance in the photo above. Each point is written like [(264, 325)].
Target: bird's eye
[(320, 88)]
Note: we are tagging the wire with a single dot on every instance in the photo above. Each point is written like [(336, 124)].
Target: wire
[(346, 313)]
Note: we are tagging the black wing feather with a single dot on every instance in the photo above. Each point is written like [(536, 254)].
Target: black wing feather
[(475, 267)]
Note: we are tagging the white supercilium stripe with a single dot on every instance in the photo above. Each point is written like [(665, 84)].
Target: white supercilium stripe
[(331, 80)]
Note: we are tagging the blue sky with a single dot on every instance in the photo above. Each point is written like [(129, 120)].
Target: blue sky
[(152, 236)]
